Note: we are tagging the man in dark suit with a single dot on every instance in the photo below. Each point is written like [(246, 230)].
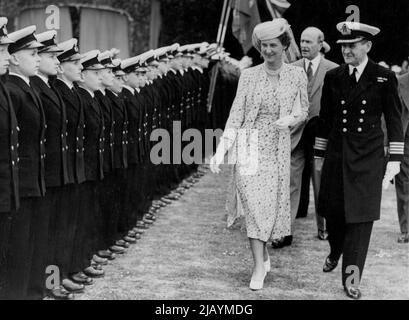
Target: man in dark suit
[(402, 179), (303, 136), (354, 97), (29, 223), (56, 170), (9, 198)]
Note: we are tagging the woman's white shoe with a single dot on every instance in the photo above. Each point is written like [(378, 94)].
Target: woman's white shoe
[(257, 284)]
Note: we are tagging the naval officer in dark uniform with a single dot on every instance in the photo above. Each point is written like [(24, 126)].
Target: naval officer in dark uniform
[(29, 221), (56, 174), (9, 200), (72, 250), (354, 97)]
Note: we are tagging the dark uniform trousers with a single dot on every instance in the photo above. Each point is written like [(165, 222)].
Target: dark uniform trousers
[(351, 138), (9, 197), (29, 228)]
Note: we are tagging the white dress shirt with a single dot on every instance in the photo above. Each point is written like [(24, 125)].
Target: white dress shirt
[(315, 63), (359, 69)]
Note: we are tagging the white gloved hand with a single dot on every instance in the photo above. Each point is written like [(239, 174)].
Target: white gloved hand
[(392, 169), (216, 161), (286, 122), (318, 163)]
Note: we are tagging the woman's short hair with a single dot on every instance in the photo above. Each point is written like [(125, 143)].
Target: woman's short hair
[(278, 28)]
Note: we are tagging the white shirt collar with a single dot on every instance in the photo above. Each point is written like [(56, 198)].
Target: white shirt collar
[(360, 68), (129, 88), (137, 90), (102, 91), (26, 79), (315, 63)]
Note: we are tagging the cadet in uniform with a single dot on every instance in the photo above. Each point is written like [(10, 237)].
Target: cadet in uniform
[(56, 174), (94, 150), (72, 230), (354, 97), (125, 223), (110, 185), (9, 198), (29, 224)]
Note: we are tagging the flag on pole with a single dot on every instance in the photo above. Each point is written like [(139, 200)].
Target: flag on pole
[(246, 15), (245, 18)]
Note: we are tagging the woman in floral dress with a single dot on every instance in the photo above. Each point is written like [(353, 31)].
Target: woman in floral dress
[(271, 98)]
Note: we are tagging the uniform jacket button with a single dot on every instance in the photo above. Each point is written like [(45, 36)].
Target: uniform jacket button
[(361, 120), (363, 101), (344, 111), (359, 129), (344, 120), (344, 129), (362, 111)]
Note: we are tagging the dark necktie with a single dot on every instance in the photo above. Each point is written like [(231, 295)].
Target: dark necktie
[(353, 76), (309, 71)]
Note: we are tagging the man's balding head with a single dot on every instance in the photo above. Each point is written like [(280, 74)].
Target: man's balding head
[(311, 42)]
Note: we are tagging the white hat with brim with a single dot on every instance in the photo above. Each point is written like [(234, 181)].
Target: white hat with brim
[(352, 32), (70, 51), (47, 39), (24, 39), (90, 61)]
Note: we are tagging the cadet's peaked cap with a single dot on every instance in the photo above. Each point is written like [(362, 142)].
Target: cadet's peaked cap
[(105, 58), (70, 50), (4, 39), (161, 54), (90, 61), (117, 67), (47, 39), (129, 65), (23, 39), (355, 31)]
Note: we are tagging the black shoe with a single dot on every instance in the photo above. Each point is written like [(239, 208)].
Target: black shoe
[(94, 273), (353, 293), (329, 264), (73, 287), (82, 278), (122, 243), (61, 294), (106, 254)]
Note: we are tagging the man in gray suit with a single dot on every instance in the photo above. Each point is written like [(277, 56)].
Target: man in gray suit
[(402, 179), (303, 136)]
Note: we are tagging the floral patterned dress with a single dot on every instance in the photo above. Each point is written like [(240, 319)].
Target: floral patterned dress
[(263, 195)]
